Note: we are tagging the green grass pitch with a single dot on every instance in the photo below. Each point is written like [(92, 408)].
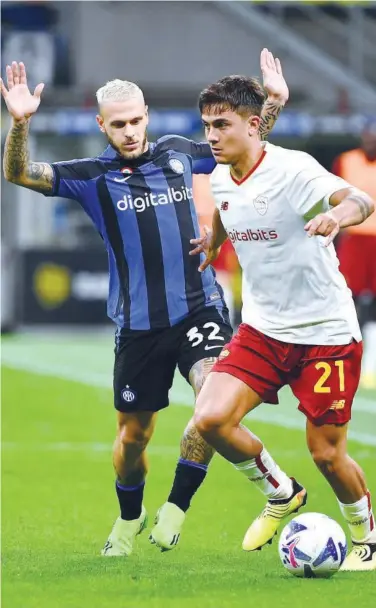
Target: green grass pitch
[(58, 501)]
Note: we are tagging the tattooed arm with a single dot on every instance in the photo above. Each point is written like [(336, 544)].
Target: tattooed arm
[(18, 169), (270, 112), (276, 88), (351, 206)]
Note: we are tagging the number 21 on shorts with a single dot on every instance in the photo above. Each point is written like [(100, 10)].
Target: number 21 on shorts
[(327, 369)]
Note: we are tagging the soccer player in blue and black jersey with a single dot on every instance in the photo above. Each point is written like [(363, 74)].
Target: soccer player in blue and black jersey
[(139, 196)]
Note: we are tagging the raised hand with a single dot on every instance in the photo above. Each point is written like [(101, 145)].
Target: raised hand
[(20, 102), (273, 80)]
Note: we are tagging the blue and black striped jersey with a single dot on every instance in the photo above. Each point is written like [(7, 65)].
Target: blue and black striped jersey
[(145, 213)]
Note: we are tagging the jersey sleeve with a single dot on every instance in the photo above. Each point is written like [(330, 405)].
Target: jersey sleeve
[(202, 158), (71, 178), (76, 180), (200, 152), (311, 185)]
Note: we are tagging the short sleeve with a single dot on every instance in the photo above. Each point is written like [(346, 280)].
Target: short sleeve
[(71, 178), (310, 185)]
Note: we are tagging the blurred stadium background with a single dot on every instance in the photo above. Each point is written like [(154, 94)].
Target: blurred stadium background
[(54, 268)]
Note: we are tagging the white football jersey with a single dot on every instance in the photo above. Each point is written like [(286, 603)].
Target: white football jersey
[(292, 288)]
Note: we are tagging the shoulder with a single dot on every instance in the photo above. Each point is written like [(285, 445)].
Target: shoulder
[(176, 143), (173, 142), (81, 168), (286, 156), (294, 162)]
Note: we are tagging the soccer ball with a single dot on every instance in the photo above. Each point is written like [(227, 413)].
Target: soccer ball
[(312, 545)]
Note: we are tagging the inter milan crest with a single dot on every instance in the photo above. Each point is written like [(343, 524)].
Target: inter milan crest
[(176, 165), (261, 204), (128, 394)]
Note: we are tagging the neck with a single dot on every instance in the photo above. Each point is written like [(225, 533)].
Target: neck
[(247, 160)]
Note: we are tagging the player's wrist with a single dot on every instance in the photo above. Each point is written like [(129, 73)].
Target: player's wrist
[(279, 100), (21, 121)]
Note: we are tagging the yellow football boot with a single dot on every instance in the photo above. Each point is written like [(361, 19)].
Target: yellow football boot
[(362, 557), (265, 526)]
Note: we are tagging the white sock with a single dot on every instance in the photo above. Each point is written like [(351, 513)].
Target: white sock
[(267, 476), (360, 519), (369, 355)]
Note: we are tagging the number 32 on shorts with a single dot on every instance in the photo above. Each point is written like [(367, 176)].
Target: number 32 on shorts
[(196, 337), (327, 370)]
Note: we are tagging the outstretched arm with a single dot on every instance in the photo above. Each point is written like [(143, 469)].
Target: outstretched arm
[(277, 90), (350, 207), (22, 105)]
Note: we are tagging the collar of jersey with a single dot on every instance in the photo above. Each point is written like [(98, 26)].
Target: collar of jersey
[(250, 172), (111, 153)]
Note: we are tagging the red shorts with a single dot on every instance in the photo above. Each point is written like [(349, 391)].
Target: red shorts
[(323, 378), (357, 254)]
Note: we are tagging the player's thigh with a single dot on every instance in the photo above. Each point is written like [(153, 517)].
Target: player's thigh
[(202, 338), (224, 399), (327, 382), (250, 358), (144, 370)]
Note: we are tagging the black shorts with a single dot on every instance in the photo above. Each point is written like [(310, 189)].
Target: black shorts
[(145, 361)]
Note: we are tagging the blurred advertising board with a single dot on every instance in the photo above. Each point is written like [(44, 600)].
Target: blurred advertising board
[(64, 287)]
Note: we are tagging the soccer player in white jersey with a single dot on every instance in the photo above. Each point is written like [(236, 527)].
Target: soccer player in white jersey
[(281, 210)]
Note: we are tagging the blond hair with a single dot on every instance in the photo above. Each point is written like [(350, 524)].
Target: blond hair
[(118, 90)]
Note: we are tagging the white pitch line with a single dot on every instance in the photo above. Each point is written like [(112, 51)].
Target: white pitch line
[(181, 397)]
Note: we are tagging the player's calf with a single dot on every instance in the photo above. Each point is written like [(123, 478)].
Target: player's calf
[(190, 473), (327, 444)]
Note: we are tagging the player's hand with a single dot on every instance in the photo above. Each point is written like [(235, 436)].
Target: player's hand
[(203, 246), (274, 83), (323, 224), (20, 102), (211, 256), (202, 243)]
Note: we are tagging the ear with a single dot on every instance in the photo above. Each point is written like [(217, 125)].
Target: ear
[(100, 123), (253, 125)]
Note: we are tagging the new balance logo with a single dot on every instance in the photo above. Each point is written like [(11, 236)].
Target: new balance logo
[(224, 206), (338, 405)]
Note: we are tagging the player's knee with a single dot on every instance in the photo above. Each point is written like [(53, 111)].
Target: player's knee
[(137, 438), (210, 422), (327, 458)]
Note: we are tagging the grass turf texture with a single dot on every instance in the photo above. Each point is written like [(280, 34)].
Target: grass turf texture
[(58, 505)]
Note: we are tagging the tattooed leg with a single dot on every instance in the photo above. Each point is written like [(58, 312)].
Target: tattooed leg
[(191, 469), (193, 447), (195, 453)]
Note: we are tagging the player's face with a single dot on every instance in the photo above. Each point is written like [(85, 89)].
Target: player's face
[(229, 134), (125, 123)]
